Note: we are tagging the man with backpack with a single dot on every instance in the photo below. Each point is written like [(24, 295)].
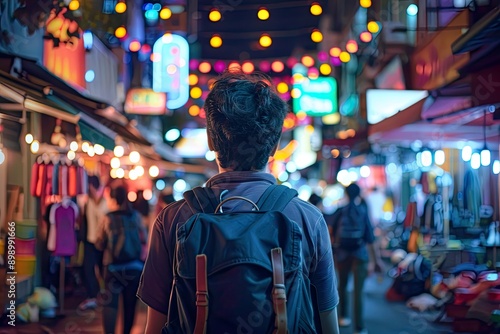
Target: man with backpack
[(352, 240), (240, 255)]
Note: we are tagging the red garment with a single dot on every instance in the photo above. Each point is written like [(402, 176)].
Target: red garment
[(47, 190), (40, 180), (34, 179), (72, 181)]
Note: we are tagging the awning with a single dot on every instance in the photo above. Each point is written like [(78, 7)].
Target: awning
[(485, 31), (410, 115), (90, 134)]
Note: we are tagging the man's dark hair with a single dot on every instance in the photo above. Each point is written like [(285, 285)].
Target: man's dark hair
[(353, 190), (120, 195), (244, 119), (94, 181)]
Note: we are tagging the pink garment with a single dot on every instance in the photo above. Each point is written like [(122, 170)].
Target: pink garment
[(63, 237)]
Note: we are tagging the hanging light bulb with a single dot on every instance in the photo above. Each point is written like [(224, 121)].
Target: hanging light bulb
[(496, 167), (475, 160), (466, 153), (485, 157), (28, 138), (426, 158), (439, 157)]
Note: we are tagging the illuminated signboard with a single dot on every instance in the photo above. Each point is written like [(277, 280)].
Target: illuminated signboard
[(384, 103), (64, 52), (315, 97), (171, 69), (145, 101)]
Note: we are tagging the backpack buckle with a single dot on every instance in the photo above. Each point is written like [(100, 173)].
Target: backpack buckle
[(202, 298), (279, 291)]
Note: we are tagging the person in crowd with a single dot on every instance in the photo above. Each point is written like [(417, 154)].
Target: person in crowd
[(353, 248), (142, 206), (122, 238), (94, 214), (244, 123)]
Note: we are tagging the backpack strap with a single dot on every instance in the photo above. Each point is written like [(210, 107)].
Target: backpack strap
[(201, 199), (276, 197), (279, 292), (201, 295)]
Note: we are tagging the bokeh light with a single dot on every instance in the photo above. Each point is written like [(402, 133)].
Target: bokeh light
[(344, 56), (74, 5), (365, 3), (204, 67), (120, 32), (134, 46), (373, 27), (351, 46), (216, 41), (335, 52), (365, 37), (316, 36), (196, 92), (325, 69), (193, 79), (247, 67), (265, 41), (307, 61), (214, 15), (263, 14), (194, 110), (120, 7), (316, 9), (277, 66), (282, 88), (165, 13)]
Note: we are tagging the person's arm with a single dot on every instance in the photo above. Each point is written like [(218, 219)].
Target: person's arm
[(329, 322), (154, 321)]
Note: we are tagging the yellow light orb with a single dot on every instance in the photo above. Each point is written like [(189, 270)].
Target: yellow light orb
[(234, 66), (204, 67), (307, 61), (373, 27), (335, 52), (216, 41), (120, 7), (325, 69), (282, 88), (263, 14), (331, 119), (134, 46), (301, 115), (316, 9), (196, 92), (74, 5), (277, 66), (120, 32), (316, 36), (265, 41), (344, 56), (214, 15), (194, 110), (365, 37), (165, 13), (365, 3), (193, 79), (247, 67)]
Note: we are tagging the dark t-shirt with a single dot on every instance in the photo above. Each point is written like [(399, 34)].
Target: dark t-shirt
[(156, 281), (362, 213)]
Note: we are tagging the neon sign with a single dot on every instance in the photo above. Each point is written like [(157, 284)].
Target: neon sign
[(171, 69), (315, 97)]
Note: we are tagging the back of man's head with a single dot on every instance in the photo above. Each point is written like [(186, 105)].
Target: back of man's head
[(244, 120)]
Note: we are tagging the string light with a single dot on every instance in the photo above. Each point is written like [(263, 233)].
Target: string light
[(196, 92), (316, 9), (344, 56), (351, 46), (216, 41), (204, 67), (263, 14), (265, 41), (247, 67), (193, 79), (74, 5), (28, 138), (214, 15), (335, 52), (365, 36), (373, 27), (120, 7), (325, 69), (365, 3), (134, 46), (307, 61), (165, 13), (316, 36), (277, 66)]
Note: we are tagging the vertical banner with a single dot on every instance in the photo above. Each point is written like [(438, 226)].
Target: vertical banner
[(64, 52)]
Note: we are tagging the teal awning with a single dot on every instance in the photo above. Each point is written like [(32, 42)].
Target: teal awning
[(95, 137)]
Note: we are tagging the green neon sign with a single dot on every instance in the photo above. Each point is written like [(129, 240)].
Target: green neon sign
[(316, 97)]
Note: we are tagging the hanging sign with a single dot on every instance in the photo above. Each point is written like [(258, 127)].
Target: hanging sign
[(315, 97), (145, 101)]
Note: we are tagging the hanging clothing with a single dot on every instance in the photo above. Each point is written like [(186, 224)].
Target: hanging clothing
[(62, 237)]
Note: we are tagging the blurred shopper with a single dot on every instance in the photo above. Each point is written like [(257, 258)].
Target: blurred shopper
[(94, 214), (121, 238), (244, 124), (353, 247)]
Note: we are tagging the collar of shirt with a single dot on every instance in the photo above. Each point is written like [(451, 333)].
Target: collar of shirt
[(240, 177)]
